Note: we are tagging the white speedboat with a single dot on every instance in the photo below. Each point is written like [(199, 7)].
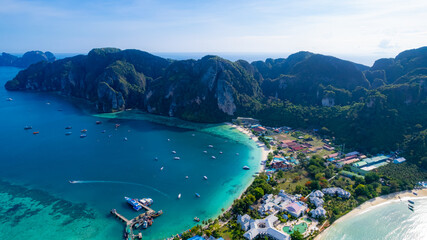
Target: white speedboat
[(161, 169), (125, 138), (176, 158), (206, 178), (174, 152), (205, 151), (186, 177), (211, 146), (179, 196), (213, 157)]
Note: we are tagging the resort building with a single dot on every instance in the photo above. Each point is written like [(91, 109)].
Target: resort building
[(272, 204), (334, 191), (318, 202), (318, 212), (287, 196), (399, 160), (317, 193), (259, 129), (296, 209), (261, 227)]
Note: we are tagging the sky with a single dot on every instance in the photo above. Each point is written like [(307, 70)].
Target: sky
[(361, 31)]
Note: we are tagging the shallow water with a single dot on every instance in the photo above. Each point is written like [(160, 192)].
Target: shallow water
[(391, 221), (37, 199)]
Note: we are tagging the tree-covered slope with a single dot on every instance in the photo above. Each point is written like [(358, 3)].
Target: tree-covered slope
[(374, 109)]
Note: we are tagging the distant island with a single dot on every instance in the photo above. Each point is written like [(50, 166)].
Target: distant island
[(9, 60), (374, 109)]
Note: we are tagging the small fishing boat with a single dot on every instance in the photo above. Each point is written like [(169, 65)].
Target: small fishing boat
[(9, 99), (72, 182), (174, 152), (179, 196), (246, 168), (205, 151), (411, 206), (176, 158), (83, 135), (206, 178), (186, 177), (83, 130), (145, 225), (211, 146), (98, 122), (68, 127), (36, 132), (193, 134), (220, 152), (169, 140), (416, 194), (68, 133), (28, 127), (125, 138), (411, 202), (156, 158), (197, 195), (161, 169), (103, 131), (117, 125), (237, 154), (196, 219), (411, 209), (213, 157)]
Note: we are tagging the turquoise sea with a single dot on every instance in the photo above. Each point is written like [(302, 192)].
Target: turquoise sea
[(391, 220), (38, 202)]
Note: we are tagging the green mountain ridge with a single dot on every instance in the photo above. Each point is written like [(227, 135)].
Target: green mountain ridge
[(374, 108)]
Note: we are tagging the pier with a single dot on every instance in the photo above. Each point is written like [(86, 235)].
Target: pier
[(148, 216)]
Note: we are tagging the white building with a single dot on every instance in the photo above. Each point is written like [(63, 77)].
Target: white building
[(261, 227), (317, 193), (286, 196), (318, 202), (296, 209), (336, 191), (244, 221), (272, 204), (318, 212), (399, 160)]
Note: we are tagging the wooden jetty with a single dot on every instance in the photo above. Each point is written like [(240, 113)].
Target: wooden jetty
[(147, 216)]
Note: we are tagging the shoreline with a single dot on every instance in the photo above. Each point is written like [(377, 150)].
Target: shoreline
[(264, 154), (375, 202), (264, 150)]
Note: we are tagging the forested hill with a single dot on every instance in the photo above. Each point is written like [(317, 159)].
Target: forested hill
[(9, 60), (376, 108)]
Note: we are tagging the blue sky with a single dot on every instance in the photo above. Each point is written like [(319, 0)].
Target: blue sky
[(347, 29)]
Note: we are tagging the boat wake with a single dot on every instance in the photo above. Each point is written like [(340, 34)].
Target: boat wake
[(128, 183)]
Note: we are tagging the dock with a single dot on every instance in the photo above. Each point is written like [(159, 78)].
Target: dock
[(148, 216)]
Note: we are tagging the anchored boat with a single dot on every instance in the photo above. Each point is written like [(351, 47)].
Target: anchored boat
[(134, 203)]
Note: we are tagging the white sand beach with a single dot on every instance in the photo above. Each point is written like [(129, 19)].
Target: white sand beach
[(404, 196), (261, 145)]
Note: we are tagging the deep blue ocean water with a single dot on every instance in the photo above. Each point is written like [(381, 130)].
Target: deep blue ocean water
[(38, 202)]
